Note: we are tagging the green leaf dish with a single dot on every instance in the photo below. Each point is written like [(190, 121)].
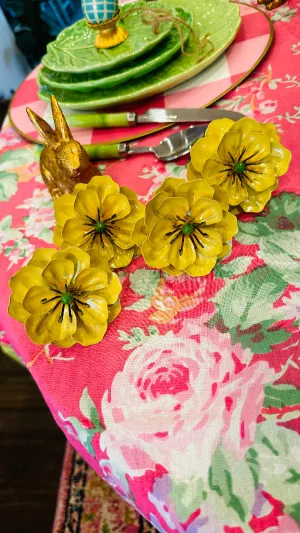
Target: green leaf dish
[(134, 70), (220, 19), (74, 51)]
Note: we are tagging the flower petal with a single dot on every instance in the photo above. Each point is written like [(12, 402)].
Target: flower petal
[(236, 190), (202, 150), (159, 236), (175, 207), (58, 273), (130, 195), (111, 292), (207, 210), (57, 235), (172, 271), (256, 201), (96, 313), (182, 253), (87, 335), (25, 278), (34, 301), (115, 205), (212, 242), (229, 147), (87, 204), (64, 208), (103, 246), (98, 261), (36, 331), (139, 233), (79, 187), (227, 227), (16, 310), (221, 196), (42, 256), (113, 311), (217, 128), (254, 147), (280, 158), (121, 258), (260, 177), (191, 173), (247, 125), (58, 327), (66, 343), (169, 186), (103, 185), (123, 235), (80, 258), (202, 266), (215, 172), (154, 257), (74, 233), (152, 209), (194, 190), (270, 130), (91, 279)]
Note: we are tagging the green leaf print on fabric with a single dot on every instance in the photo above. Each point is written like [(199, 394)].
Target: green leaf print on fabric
[(83, 434), (8, 185), (246, 309), (277, 234), (137, 337), (233, 268), (278, 451), (187, 497), (144, 283), (233, 482), (281, 396)]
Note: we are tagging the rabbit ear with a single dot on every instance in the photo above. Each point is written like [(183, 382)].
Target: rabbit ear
[(43, 128), (60, 122)]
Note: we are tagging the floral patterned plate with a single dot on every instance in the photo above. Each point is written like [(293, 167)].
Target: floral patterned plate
[(219, 21)]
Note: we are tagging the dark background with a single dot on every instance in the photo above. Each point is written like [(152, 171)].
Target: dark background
[(31, 453)]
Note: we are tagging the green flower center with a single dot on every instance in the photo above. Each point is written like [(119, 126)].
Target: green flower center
[(100, 227), (66, 298), (187, 229), (239, 167)]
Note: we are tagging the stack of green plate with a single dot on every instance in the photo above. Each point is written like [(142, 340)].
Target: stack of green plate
[(147, 63)]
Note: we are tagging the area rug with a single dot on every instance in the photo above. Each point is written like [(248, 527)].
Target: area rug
[(86, 504)]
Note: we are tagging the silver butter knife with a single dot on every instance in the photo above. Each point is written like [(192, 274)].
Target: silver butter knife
[(175, 145), (160, 116)]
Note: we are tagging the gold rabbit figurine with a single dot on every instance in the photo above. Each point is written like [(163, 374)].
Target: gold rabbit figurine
[(64, 162)]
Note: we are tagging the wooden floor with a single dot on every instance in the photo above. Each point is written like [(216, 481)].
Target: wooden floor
[(31, 454)]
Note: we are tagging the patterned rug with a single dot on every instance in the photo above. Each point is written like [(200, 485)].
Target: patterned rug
[(86, 504)]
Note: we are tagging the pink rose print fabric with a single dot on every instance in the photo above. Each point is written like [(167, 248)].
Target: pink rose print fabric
[(190, 407)]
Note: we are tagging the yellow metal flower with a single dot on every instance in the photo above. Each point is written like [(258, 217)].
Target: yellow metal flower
[(243, 158), (99, 216), (186, 228), (65, 297)]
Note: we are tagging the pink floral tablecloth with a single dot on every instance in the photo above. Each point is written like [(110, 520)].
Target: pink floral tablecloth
[(190, 407)]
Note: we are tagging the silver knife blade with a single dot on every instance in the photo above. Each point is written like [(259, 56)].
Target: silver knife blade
[(185, 115)]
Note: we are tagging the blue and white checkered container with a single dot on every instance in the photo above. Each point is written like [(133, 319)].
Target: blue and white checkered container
[(99, 11)]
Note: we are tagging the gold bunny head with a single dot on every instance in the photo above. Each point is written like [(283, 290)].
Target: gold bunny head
[(64, 162)]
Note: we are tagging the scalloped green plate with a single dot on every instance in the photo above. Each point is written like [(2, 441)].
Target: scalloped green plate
[(220, 19), (136, 69), (73, 50)]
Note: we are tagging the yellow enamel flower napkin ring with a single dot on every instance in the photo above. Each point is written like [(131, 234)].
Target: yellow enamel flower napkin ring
[(243, 158), (187, 228), (65, 297), (99, 216)]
